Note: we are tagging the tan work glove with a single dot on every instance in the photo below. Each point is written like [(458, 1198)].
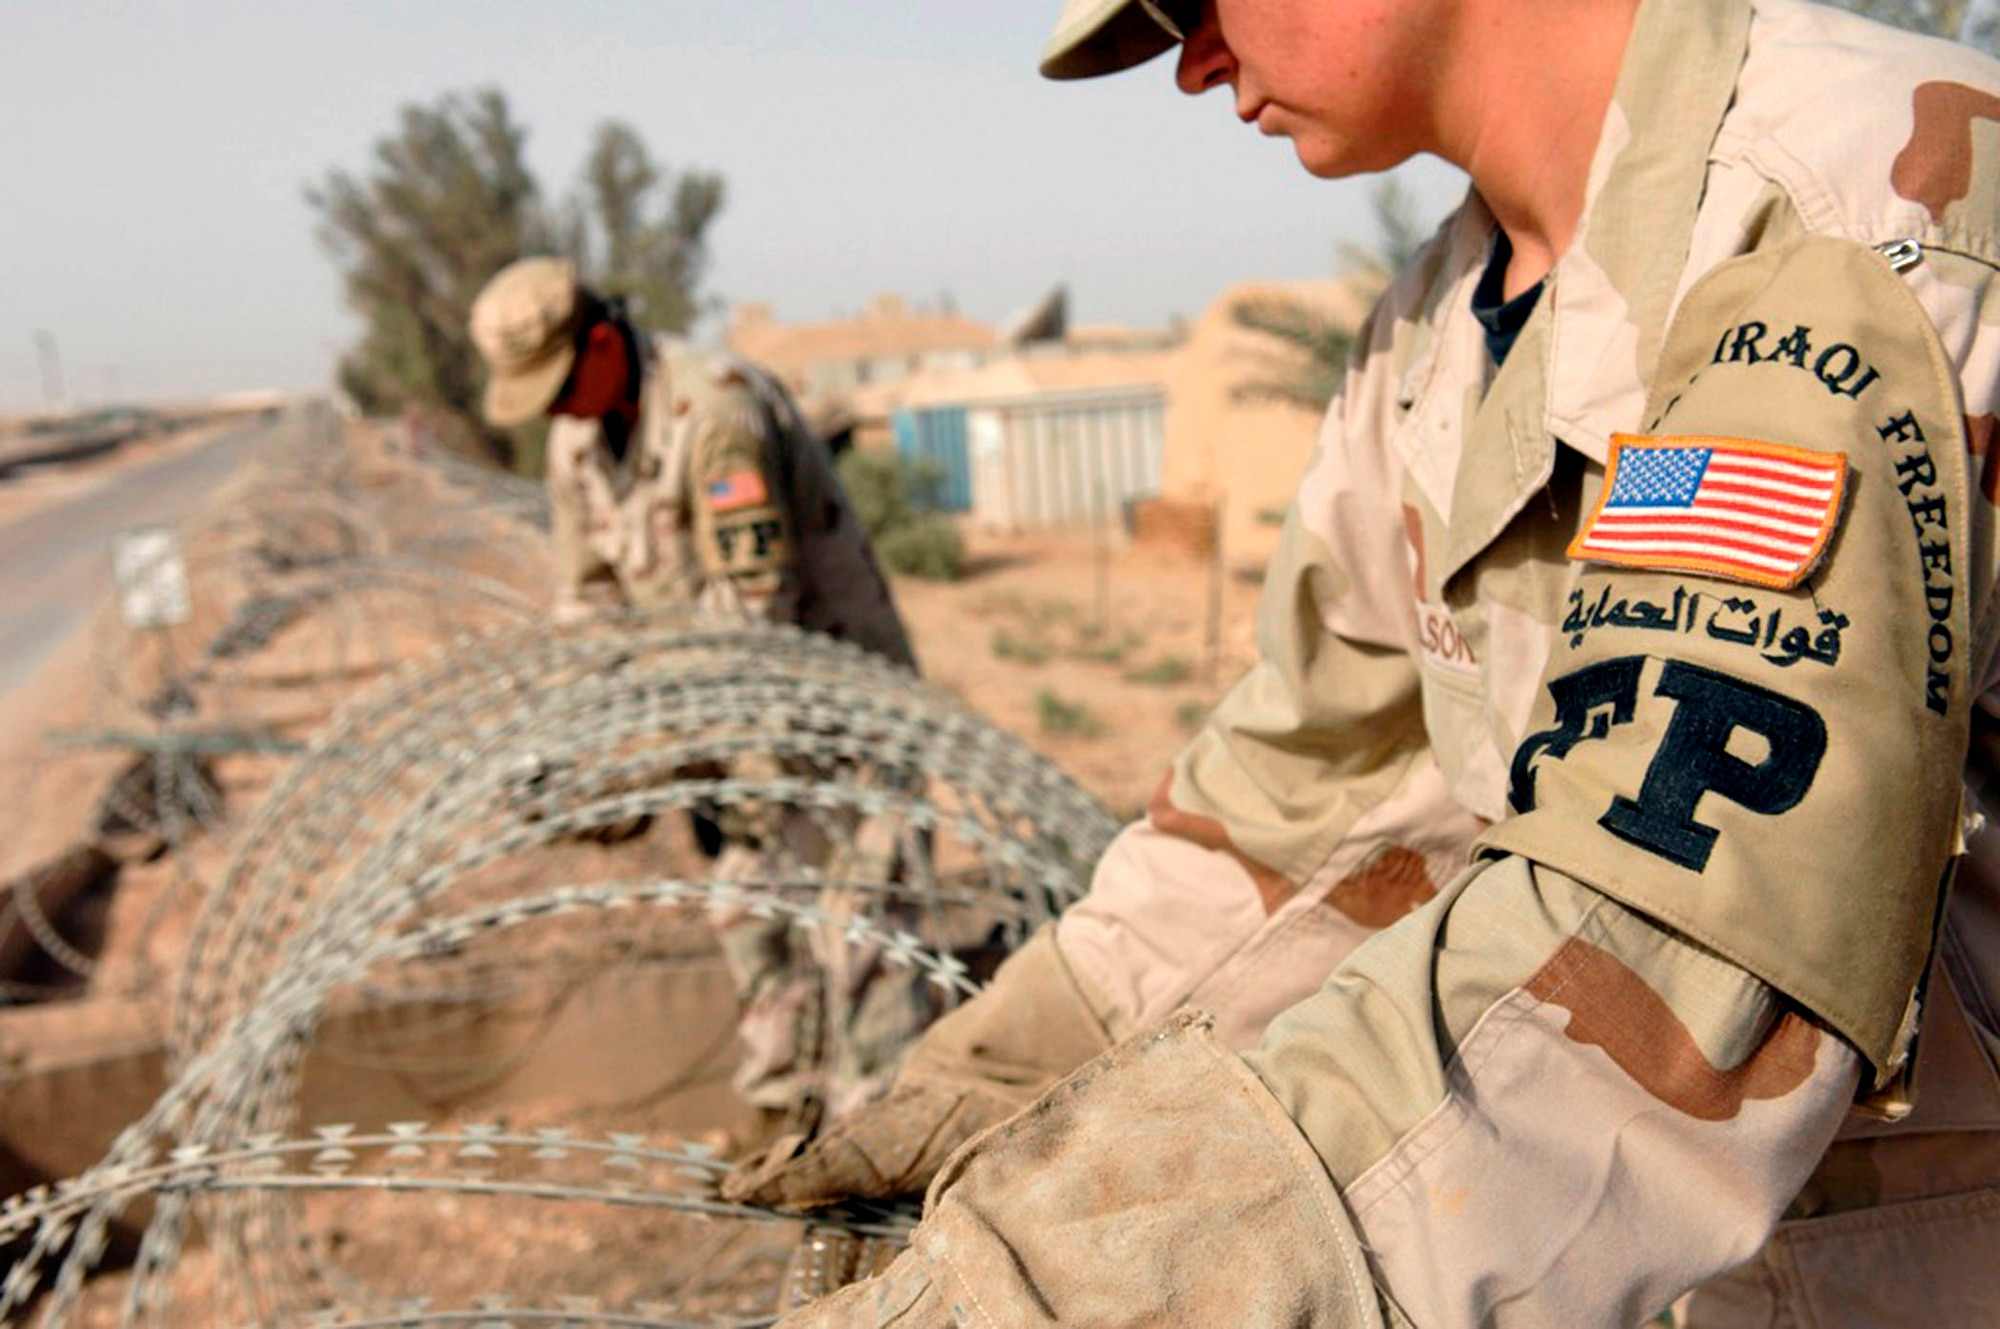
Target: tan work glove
[(1161, 1185), (974, 1068)]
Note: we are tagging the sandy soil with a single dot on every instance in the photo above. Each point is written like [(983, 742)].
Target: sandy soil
[(98, 684), (1100, 659), (1103, 660)]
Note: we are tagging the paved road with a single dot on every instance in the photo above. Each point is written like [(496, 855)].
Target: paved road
[(52, 561)]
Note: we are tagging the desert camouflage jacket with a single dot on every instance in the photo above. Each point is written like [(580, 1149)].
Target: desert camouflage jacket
[(1606, 740), (723, 499)]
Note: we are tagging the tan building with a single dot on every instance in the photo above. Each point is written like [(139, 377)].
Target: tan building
[(1101, 424), (843, 357), (1222, 443), (1050, 435)]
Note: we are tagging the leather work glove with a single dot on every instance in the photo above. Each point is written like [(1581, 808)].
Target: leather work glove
[(973, 1069), (1161, 1185)]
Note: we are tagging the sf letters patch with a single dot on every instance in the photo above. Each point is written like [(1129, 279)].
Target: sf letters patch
[(1753, 512), (1694, 756)]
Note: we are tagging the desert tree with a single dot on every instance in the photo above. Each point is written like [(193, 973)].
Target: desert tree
[(1307, 347), (446, 200), (1305, 357), (640, 231)]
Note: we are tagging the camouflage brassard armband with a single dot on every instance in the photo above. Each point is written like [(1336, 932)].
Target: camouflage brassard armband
[(741, 530), (1752, 726)]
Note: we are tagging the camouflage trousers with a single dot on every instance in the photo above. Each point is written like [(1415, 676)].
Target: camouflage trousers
[(824, 1020)]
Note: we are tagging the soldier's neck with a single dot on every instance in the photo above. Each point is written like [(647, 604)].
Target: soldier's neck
[(1538, 85)]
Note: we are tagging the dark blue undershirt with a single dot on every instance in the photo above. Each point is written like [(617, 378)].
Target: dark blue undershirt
[(1503, 319)]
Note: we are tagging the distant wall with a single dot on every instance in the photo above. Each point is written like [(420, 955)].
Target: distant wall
[(1249, 453)]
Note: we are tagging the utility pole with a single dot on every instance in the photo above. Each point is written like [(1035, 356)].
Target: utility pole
[(50, 361)]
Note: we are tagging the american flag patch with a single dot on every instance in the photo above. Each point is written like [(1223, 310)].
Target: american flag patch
[(1755, 512), (740, 489)]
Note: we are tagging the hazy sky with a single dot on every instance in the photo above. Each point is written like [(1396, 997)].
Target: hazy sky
[(153, 156)]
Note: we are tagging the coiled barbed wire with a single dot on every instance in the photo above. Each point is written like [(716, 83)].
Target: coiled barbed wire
[(309, 546), (420, 827), (490, 488)]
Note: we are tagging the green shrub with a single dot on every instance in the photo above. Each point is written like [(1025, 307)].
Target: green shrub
[(896, 500), (1070, 718), (1190, 714), (1024, 649), (1162, 673), (929, 547), (1093, 644), (889, 490), (874, 481)]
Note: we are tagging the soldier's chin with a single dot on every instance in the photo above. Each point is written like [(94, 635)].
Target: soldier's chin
[(1318, 158), (1326, 161)]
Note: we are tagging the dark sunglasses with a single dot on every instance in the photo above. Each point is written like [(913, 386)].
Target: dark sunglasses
[(1176, 18)]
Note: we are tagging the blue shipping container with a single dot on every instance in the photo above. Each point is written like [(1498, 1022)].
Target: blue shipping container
[(936, 434)]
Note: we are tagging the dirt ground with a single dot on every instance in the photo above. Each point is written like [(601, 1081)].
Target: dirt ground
[(1103, 659), (49, 788)]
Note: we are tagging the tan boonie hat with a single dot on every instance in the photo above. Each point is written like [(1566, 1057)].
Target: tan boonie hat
[(1095, 37), (524, 324)]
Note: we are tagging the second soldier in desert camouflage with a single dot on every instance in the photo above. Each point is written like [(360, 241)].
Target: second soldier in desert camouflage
[(679, 476)]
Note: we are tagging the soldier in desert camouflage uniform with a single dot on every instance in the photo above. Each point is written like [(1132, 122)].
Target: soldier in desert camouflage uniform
[(679, 476), (1569, 885)]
